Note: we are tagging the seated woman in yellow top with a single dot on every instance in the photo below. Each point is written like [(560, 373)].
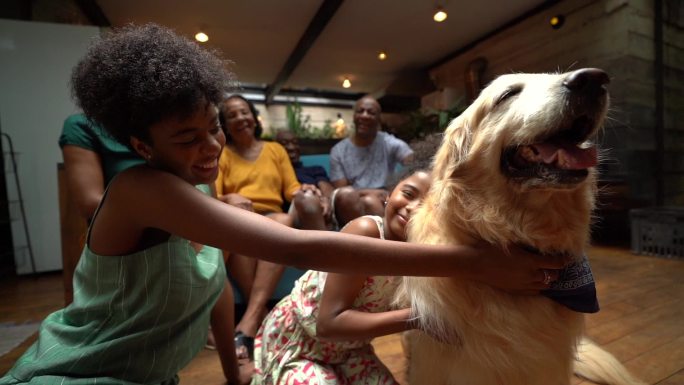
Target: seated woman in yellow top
[(257, 170), (254, 175)]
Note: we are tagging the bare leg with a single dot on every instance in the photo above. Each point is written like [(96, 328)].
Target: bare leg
[(266, 279), (222, 320), (348, 205), (242, 270), (267, 276), (372, 205)]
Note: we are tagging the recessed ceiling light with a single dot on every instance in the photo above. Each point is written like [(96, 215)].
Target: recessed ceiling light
[(201, 37), (346, 83), (382, 55), (557, 21), (440, 15)]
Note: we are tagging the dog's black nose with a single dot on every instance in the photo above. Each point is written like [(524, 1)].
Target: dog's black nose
[(591, 80)]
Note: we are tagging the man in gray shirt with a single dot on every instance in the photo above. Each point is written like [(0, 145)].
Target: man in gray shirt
[(361, 164)]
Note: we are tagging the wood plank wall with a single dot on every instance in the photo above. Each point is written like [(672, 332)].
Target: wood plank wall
[(618, 36)]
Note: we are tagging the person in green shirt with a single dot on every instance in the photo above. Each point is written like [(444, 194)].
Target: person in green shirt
[(91, 159)]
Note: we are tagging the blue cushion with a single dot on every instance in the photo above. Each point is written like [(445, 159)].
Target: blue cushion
[(285, 285), (322, 160)]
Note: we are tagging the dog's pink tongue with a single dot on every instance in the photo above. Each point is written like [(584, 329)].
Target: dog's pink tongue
[(567, 156)]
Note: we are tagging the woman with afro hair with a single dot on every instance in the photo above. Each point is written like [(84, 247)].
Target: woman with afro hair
[(145, 289)]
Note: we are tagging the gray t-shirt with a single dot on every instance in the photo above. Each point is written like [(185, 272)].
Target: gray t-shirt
[(367, 167)]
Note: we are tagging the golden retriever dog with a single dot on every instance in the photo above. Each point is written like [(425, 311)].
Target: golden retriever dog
[(517, 167)]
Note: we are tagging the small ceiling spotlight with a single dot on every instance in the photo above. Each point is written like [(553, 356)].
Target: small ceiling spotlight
[(201, 37), (346, 83), (557, 21), (440, 15), (382, 55)]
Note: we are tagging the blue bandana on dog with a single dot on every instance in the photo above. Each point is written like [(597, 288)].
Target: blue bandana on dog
[(575, 288)]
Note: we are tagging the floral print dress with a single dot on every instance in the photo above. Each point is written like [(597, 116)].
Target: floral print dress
[(287, 351)]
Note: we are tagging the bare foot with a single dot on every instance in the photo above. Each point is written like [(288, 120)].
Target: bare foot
[(246, 371)]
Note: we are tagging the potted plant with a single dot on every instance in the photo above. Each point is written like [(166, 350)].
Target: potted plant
[(422, 122), (312, 139)]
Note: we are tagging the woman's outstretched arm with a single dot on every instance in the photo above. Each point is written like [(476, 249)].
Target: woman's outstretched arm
[(148, 198)]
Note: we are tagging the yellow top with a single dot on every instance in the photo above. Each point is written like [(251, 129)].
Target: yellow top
[(265, 181)]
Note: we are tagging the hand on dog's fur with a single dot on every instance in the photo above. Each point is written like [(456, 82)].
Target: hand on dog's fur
[(515, 270)]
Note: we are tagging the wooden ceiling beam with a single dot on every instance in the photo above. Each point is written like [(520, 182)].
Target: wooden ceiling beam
[(94, 13), (320, 20)]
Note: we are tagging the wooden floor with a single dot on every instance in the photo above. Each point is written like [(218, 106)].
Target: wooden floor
[(641, 319)]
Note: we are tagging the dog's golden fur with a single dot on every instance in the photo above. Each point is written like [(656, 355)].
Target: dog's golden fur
[(496, 337)]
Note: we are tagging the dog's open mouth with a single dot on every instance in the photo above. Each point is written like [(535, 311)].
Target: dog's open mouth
[(561, 159)]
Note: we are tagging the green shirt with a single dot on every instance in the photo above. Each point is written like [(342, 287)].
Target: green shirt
[(135, 319), (115, 157)]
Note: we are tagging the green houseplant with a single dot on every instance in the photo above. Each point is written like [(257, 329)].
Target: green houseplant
[(312, 139), (422, 122)]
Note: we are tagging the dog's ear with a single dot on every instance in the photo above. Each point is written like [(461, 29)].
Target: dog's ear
[(454, 149), (458, 138)]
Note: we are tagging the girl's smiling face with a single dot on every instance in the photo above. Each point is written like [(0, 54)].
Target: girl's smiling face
[(188, 148), (401, 204)]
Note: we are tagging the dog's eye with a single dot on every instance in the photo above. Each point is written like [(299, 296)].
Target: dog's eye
[(512, 91)]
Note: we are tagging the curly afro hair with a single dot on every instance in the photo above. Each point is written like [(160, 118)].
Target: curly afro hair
[(139, 75)]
